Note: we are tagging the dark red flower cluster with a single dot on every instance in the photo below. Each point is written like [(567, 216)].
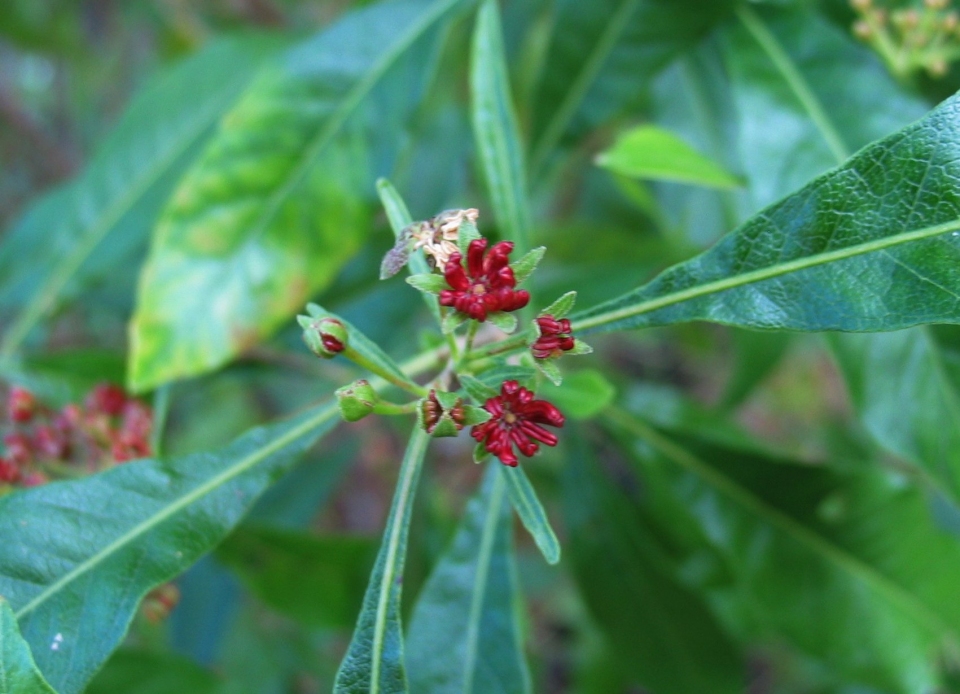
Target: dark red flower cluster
[(555, 337), (515, 420), (486, 285), (109, 428)]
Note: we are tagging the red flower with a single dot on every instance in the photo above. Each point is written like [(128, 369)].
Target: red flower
[(107, 398), (9, 472), (555, 337), (21, 404), (19, 450), (516, 419), (487, 284)]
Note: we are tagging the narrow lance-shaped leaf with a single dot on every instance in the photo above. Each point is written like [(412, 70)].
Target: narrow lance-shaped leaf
[(96, 546), (277, 202), (495, 128), (531, 512), (600, 51), (898, 382), (873, 245), (661, 631), (18, 672), (464, 635), (374, 663), (870, 588), (83, 230), (315, 580), (652, 153)]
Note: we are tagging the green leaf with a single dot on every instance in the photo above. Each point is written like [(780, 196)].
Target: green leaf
[(431, 284), (870, 589), (507, 322), (477, 389), (276, 204), (756, 356), (904, 392), (660, 631), (141, 672), (374, 663), (652, 153), (601, 51), (531, 512), (495, 128), (400, 219), (315, 580), (84, 230), (549, 368), (494, 377), (583, 394), (467, 611), (527, 263), (562, 306), (18, 672), (899, 383), (96, 546), (452, 321), (887, 262)]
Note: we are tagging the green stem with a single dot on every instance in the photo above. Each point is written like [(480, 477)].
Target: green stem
[(392, 409), (362, 361), (161, 408)]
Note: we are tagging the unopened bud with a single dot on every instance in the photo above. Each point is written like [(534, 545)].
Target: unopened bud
[(326, 337), (861, 5), (950, 21), (441, 414), (935, 4), (862, 30), (356, 400), (21, 405)]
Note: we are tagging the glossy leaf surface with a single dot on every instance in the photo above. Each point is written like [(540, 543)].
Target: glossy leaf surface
[(275, 205), (871, 574), (872, 245), (86, 547), (531, 512), (315, 580), (791, 98), (18, 672), (652, 153), (78, 232), (495, 128), (468, 609), (660, 631), (601, 51), (374, 663)]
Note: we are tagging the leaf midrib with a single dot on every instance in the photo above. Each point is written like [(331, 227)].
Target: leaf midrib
[(47, 294), (581, 85), (493, 115), (765, 274), (804, 94), (400, 520), (836, 555), (480, 581), (148, 524)]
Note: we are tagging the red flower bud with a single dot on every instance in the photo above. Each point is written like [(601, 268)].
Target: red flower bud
[(9, 473), (555, 337), (107, 399), (21, 404)]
